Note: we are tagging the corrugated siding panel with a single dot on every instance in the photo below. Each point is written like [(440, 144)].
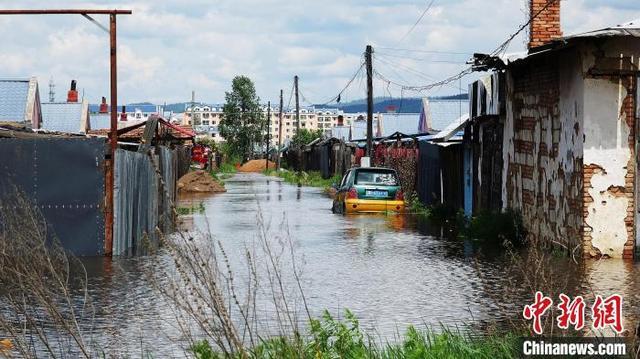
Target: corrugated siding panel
[(142, 201)]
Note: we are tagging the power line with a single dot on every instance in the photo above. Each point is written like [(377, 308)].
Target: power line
[(423, 51), (502, 47), (339, 95), (417, 21), (421, 59), (414, 71)]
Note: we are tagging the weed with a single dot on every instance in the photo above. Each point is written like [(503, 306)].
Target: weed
[(183, 211), (311, 179), (492, 226), (332, 338)]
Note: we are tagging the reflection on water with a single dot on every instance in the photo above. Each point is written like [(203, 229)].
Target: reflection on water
[(391, 271)]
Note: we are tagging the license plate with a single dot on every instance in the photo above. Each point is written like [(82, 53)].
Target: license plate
[(376, 193)]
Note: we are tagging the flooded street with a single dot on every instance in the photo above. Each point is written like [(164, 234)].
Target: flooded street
[(390, 271)]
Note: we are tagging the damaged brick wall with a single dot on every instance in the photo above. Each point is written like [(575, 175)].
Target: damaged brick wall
[(609, 171), (542, 154)]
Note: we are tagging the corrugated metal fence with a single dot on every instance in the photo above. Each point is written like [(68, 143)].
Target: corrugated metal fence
[(142, 201)]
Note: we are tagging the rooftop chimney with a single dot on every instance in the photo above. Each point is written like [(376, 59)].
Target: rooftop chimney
[(103, 106), (72, 95), (123, 115), (545, 27)]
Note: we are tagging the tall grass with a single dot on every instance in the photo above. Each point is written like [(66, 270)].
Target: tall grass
[(311, 178), (332, 338)]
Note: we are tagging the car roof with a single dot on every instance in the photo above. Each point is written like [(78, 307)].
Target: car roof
[(373, 168)]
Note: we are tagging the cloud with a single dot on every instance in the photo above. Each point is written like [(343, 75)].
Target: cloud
[(169, 48)]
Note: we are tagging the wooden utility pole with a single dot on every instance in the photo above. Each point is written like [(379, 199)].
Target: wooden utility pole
[(268, 131), (369, 64), (280, 129)]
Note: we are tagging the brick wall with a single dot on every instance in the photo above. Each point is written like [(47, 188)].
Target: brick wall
[(623, 189), (546, 26), (543, 163)]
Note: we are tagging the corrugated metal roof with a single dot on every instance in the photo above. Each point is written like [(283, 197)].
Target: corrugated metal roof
[(631, 28), (62, 116), (444, 112), (13, 99), (100, 121), (452, 129)]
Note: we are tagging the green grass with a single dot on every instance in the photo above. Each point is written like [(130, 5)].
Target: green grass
[(183, 211), (226, 170), (332, 338), (311, 179)]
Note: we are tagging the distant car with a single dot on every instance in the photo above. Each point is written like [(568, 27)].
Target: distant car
[(369, 189)]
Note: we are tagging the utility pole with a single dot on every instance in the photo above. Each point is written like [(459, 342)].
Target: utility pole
[(369, 63), (193, 103), (295, 85), (280, 130), (268, 131)]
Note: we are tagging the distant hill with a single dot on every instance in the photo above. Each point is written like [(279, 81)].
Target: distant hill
[(380, 104), (403, 105)]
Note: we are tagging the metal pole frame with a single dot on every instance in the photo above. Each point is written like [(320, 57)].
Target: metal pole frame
[(113, 132)]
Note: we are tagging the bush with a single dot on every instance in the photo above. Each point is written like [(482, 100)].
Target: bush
[(492, 226)]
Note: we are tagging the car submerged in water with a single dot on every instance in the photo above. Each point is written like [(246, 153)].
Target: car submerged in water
[(368, 190)]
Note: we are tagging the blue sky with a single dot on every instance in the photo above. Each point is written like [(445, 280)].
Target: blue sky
[(168, 48)]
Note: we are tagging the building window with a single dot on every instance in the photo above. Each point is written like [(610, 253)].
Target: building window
[(205, 122)]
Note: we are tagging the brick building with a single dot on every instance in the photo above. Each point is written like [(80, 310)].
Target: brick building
[(568, 126)]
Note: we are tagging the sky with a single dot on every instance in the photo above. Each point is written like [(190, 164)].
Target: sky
[(166, 49)]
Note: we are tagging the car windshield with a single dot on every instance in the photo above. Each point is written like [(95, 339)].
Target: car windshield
[(379, 177)]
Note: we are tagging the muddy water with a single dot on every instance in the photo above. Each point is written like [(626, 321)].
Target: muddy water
[(391, 271)]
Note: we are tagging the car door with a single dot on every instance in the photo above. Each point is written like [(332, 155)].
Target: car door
[(342, 189)]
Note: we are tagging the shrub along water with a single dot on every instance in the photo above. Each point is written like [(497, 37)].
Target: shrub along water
[(332, 338), (312, 178)]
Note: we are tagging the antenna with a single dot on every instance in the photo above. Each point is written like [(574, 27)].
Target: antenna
[(52, 90)]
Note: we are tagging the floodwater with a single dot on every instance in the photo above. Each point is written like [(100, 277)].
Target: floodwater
[(391, 271)]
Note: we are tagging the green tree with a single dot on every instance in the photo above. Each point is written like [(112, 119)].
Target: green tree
[(242, 121), (304, 137)]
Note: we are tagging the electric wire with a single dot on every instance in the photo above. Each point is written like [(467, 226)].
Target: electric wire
[(417, 21)]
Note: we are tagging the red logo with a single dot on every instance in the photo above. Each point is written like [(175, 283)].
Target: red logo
[(608, 312), (571, 312), (605, 312), (536, 310)]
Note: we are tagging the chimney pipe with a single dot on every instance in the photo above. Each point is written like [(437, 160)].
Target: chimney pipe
[(123, 114), (103, 105), (545, 27), (72, 95)]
